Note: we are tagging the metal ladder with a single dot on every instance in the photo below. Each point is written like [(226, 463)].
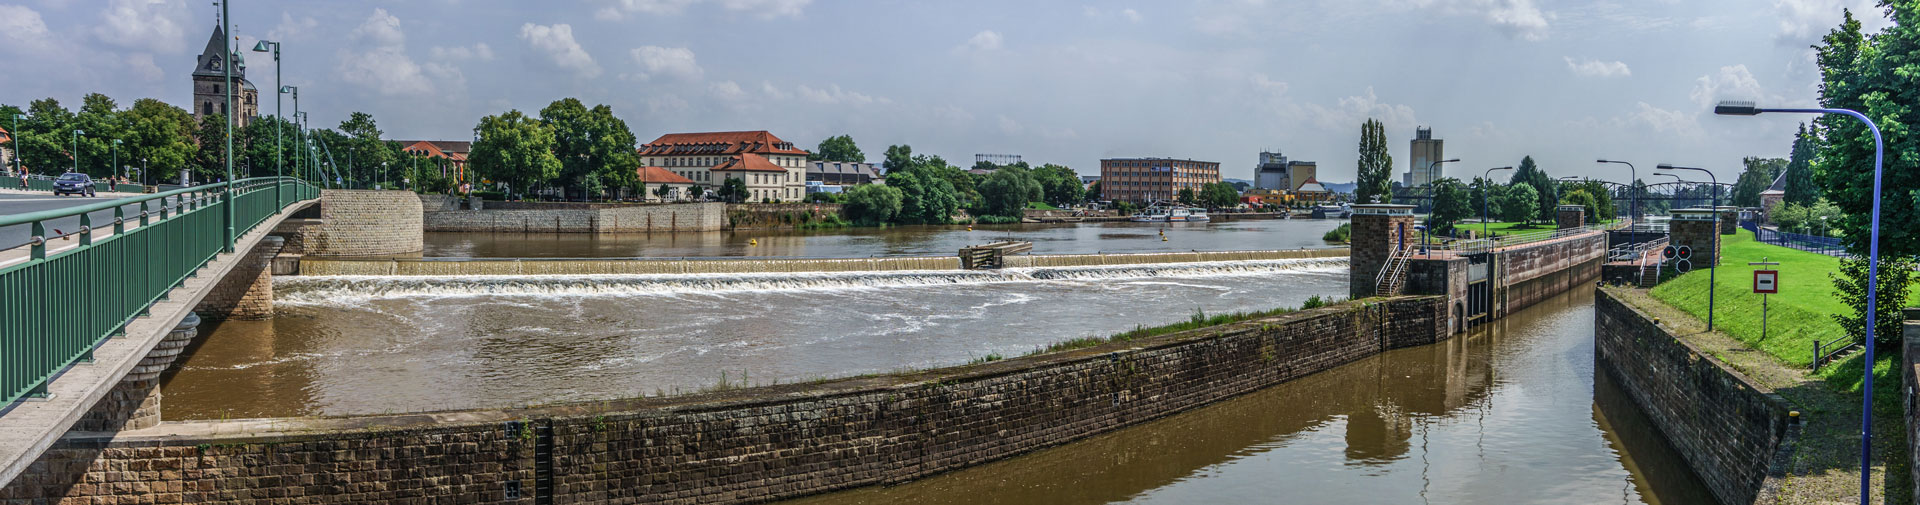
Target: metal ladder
[(1393, 273)]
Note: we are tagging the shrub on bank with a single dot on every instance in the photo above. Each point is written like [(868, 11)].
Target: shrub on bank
[(1341, 234)]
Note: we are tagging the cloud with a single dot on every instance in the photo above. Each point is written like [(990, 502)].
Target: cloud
[(478, 52), (1128, 13), (381, 63), (557, 41), (1131, 15), (671, 61), (773, 92), (1518, 18), (1350, 111), (618, 10), (833, 95), (291, 27), (1731, 83), (986, 40), (141, 64), (1664, 121), (23, 30), (1597, 68), (727, 90), (150, 25), (1803, 20), (1268, 86)]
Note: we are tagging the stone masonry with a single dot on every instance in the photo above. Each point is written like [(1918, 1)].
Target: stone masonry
[(246, 293), (1696, 229), (365, 223), (1725, 426), (1910, 374), (134, 403), (1378, 230), (514, 217), (746, 446), (1570, 216)]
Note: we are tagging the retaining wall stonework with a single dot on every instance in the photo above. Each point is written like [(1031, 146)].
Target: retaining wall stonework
[(751, 445), (1910, 372), (763, 216), (364, 223), (1725, 426), (501, 217)]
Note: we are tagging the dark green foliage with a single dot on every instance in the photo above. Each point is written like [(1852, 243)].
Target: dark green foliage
[(1340, 234), (926, 198), (1451, 203), (1219, 195), (1519, 203), (1546, 193), (1376, 164), (1800, 188), (840, 148), (732, 190), (1758, 175), (872, 205), (1006, 192), (1850, 284)]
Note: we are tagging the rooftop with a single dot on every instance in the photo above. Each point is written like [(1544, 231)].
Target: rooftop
[(747, 163), (657, 175), (757, 142)]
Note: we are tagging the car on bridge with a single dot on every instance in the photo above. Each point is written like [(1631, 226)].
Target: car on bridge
[(72, 183)]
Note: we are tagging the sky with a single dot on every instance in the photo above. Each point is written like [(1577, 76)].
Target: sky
[(1055, 81)]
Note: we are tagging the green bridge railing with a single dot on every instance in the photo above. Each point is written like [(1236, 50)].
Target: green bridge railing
[(56, 308)]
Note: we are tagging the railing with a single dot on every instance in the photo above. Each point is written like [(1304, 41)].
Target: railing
[(44, 183), (1481, 245), (1830, 246), (1826, 351), (57, 306), (1388, 281)]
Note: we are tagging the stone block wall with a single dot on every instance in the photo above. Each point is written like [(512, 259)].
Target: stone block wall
[(1375, 235), (748, 216), (134, 402), (1725, 426), (1700, 235), (365, 223), (1910, 374), (246, 293), (503, 217), (1527, 275), (745, 446), (1570, 216), (1442, 276)]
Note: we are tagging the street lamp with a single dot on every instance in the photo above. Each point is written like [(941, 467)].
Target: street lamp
[(144, 175), (1633, 185), (1873, 275), (76, 149), (261, 47), (1716, 234), (116, 155), (16, 144), (1431, 167), (1486, 193)]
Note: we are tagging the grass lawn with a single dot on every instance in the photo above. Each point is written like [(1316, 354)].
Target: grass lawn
[(1798, 315), (1040, 206)]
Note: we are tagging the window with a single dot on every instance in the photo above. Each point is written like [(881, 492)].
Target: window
[(206, 108)]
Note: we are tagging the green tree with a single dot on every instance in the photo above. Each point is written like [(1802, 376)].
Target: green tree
[(1480, 190), (1875, 77), (1376, 164), (924, 198), (1757, 176), (591, 142), (1186, 196), (1093, 192), (1545, 190), (1008, 190), (1061, 185), (162, 135), (1219, 195), (840, 148), (696, 191), (1850, 284), (100, 118), (45, 146), (899, 157), (1584, 199), (1800, 188), (514, 150), (1603, 201), (872, 204), (367, 158), (1518, 202), (257, 143), (1451, 203), (732, 190), (210, 164)]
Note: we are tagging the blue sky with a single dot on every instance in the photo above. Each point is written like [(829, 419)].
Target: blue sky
[(1060, 82)]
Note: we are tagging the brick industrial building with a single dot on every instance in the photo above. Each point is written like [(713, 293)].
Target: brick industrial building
[(1146, 180)]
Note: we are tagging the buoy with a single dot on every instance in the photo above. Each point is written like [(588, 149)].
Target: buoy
[(969, 227), (753, 242), (1163, 238)]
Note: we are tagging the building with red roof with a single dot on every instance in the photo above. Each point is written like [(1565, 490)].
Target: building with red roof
[(773, 169), (654, 178), (453, 151)]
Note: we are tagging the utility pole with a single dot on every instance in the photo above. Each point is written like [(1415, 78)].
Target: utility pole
[(226, 49)]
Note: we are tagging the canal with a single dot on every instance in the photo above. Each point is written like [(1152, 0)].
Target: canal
[(890, 241), (1509, 413)]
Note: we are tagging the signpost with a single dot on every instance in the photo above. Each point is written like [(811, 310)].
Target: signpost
[(1766, 282)]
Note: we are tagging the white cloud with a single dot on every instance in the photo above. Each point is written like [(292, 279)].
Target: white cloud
[(1268, 86), (557, 41), (1131, 15), (1664, 121), (1597, 68), (151, 25), (727, 90), (617, 10), (382, 64), (477, 52), (23, 30), (1803, 20), (986, 40), (141, 64), (1518, 18), (1731, 83), (833, 95), (1350, 111), (290, 27), (671, 61)]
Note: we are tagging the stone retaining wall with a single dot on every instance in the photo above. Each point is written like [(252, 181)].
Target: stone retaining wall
[(762, 216), (503, 217), (1726, 427), (741, 446), (364, 223), (482, 266), (1910, 374)]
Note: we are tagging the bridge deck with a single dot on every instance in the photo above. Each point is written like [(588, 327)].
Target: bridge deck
[(31, 426)]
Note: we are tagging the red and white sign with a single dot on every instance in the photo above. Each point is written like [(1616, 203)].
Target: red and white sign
[(1766, 281)]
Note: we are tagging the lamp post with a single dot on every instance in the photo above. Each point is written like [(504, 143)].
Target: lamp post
[(144, 175), (16, 145), (226, 68), (1633, 185), (116, 156), (1428, 231), (76, 150), (1486, 194), (262, 47), (1711, 268)]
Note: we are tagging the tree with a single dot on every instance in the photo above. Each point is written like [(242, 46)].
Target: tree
[(1602, 200), (212, 137), (839, 148), (1518, 203), (872, 204), (1093, 192), (696, 191), (1376, 164), (1007, 191), (662, 191), (1800, 188), (924, 198), (162, 135), (1480, 190), (100, 119), (732, 190), (1584, 199), (1757, 176), (591, 142), (1545, 190), (1219, 195), (1873, 75), (1451, 203), (1186, 196), (1850, 284), (515, 150), (1061, 185), (898, 158)]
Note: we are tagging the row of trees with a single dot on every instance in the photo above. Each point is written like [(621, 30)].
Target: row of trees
[(583, 151), (925, 189)]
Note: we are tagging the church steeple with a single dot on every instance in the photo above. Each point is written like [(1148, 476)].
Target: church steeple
[(210, 85), (210, 58)]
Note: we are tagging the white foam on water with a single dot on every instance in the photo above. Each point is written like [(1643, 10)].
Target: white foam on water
[(355, 290)]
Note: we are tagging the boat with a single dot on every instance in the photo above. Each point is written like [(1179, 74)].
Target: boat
[(1331, 212), (1197, 215), (1150, 215), (1179, 215)]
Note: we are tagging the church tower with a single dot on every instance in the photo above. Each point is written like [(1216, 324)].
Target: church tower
[(209, 88)]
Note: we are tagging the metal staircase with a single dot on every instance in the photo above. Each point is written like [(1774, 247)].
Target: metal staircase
[(1393, 274)]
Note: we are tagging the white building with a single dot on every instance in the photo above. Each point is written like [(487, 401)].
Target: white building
[(773, 169)]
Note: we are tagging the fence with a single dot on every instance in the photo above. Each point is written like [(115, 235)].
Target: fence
[(57, 307), (1830, 246), (45, 183)]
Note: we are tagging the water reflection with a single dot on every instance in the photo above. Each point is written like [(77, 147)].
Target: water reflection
[(1505, 414)]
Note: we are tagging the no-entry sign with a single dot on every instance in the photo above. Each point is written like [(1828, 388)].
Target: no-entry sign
[(1766, 281)]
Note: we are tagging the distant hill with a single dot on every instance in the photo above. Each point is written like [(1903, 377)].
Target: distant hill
[(1340, 187), (1231, 180)]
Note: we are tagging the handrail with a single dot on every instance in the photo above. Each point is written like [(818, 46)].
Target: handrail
[(51, 214)]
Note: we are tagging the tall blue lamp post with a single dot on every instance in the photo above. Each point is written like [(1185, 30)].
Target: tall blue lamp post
[(1873, 274), (1711, 267)]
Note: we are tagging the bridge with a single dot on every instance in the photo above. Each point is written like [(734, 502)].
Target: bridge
[(85, 300)]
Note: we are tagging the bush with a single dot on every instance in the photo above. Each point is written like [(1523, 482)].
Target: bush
[(872, 204), (1341, 234), (992, 219), (1850, 284), (491, 195)]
